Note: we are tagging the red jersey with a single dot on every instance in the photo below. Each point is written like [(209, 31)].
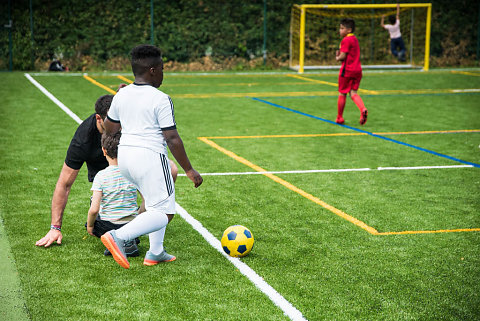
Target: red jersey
[(351, 66)]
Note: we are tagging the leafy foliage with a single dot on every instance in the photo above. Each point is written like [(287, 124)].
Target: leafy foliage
[(88, 34)]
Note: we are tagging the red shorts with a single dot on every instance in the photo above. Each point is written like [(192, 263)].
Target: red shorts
[(346, 84)]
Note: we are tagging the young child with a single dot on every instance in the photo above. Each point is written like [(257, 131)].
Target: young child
[(145, 116), (350, 72), (396, 40), (114, 200)]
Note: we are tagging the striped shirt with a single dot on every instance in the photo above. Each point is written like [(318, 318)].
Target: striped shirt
[(119, 196)]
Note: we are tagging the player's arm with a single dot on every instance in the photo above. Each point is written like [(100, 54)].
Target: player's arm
[(59, 202), (93, 211), (398, 11), (341, 55), (175, 144), (382, 22)]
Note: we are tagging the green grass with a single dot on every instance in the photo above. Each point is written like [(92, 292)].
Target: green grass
[(325, 266)]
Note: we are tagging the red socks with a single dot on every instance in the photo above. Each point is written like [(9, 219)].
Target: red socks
[(341, 105), (359, 102)]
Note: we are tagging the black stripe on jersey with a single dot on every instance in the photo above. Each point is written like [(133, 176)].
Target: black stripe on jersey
[(113, 120), (344, 66), (166, 173), (172, 107), (168, 128)]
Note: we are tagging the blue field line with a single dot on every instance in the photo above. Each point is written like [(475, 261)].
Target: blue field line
[(368, 133)]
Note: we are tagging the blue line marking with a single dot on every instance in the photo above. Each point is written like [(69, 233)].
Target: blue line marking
[(369, 133)]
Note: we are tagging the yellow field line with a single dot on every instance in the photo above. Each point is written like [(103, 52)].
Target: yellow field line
[(93, 81), (288, 185), (465, 73), (431, 232), (316, 200), (125, 79), (348, 134), (372, 92)]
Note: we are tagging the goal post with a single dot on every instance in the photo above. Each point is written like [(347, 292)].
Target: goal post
[(314, 36)]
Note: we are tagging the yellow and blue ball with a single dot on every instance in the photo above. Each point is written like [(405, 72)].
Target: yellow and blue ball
[(237, 241)]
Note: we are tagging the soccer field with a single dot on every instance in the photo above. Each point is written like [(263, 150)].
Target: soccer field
[(373, 222)]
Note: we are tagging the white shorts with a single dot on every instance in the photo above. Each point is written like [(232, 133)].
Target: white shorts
[(150, 172)]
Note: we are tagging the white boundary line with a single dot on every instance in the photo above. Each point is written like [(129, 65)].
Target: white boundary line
[(333, 170), (253, 73), (287, 308), (54, 99)]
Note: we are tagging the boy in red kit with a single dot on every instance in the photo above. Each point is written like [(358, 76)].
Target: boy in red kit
[(350, 72)]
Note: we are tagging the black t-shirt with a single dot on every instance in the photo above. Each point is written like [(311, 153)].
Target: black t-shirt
[(86, 147)]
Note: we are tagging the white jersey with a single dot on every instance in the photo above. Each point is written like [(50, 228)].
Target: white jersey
[(394, 30), (143, 112)]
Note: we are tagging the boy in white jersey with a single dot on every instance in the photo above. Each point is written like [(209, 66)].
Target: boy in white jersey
[(396, 41), (114, 199), (145, 116)]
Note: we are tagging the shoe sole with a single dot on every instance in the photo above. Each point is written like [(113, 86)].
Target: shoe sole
[(109, 242), (153, 262), (363, 118)]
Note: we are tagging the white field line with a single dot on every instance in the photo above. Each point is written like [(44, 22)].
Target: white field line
[(54, 99), (287, 308), (333, 170)]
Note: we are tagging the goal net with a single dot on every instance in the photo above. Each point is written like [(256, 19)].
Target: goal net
[(314, 35)]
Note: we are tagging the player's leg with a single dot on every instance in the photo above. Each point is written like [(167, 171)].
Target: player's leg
[(150, 172), (361, 106), (343, 89), (393, 47), (355, 84), (401, 46)]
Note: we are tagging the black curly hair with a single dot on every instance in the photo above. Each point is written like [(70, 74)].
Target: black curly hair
[(145, 57)]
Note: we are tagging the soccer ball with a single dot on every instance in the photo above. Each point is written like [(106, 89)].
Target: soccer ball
[(237, 241)]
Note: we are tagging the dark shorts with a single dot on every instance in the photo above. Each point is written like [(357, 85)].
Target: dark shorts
[(346, 84), (101, 227)]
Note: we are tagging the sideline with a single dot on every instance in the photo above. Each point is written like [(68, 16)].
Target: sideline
[(287, 308), (12, 302)]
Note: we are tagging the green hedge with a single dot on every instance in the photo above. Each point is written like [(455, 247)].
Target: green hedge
[(91, 33)]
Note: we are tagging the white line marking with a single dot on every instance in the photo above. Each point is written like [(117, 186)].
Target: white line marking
[(473, 90), (422, 167), (54, 99), (287, 308), (333, 170)]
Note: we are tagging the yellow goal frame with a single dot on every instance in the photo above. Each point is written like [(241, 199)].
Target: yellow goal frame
[(304, 7)]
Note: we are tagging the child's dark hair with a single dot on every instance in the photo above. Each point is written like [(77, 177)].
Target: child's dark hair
[(348, 23), (110, 143), (392, 19), (145, 57), (102, 105)]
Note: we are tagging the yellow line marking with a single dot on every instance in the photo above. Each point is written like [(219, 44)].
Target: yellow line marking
[(264, 94), (372, 92), (349, 134), (93, 81), (312, 198), (465, 73), (290, 186), (124, 79), (431, 232)]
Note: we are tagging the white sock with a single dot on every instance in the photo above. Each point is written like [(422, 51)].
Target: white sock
[(145, 223), (156, 241)]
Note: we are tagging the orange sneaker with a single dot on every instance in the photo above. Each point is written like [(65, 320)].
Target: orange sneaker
[(115, 246), (340, 120), (152, 259), (363, 116)]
